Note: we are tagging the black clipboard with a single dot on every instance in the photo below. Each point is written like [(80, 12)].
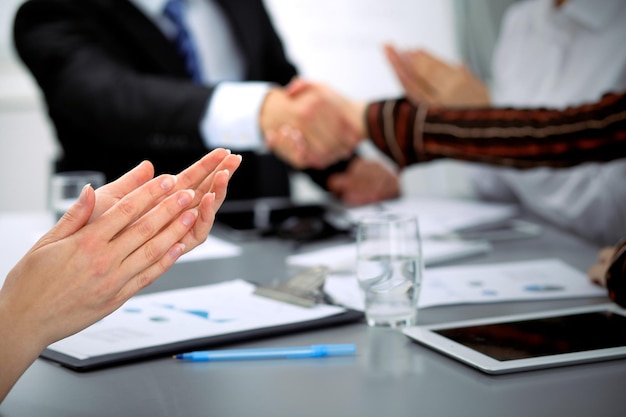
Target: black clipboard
[(160, 351)]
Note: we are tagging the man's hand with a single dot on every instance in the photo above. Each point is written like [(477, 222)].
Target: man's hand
[(307, 127), (365, 181), (428, 79)]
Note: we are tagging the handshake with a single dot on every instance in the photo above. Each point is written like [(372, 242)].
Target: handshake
[(309, 125)]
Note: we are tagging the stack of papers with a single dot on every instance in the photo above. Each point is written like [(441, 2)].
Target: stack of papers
[(167, 317), (342, 258), (441, 216)]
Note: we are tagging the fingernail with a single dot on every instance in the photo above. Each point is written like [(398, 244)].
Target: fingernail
[(83, 194), (177, 250), (186, 197), (189, 218), (168, 182)]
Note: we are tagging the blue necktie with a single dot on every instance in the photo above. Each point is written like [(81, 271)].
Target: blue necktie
[(185, 45)]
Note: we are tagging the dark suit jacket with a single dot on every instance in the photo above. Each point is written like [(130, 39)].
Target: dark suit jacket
[(118, 92)]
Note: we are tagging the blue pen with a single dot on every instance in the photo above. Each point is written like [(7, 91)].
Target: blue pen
[(543, 287), (314, 351)]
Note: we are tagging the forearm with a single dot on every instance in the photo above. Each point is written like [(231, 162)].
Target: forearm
[(18, 349), (520, 138)]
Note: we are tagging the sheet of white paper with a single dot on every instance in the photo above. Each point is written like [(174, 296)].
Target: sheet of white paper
[(442, 215), (18, 233), (343, 257), (528, 280), (512, 281), (211, 248), (173, 316)]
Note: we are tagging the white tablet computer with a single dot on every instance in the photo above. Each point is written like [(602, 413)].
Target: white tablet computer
[(531, 341)]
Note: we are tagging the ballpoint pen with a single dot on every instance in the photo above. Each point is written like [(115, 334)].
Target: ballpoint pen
[(543, 287), (313, 351)]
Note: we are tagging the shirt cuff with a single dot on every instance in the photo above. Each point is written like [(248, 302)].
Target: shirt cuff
[(232, 117)]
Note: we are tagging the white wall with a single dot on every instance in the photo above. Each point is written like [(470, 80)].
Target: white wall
[(26, 140), (340, 41), (335, 41)]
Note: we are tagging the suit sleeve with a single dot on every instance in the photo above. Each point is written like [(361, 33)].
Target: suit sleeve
[(89, 84)]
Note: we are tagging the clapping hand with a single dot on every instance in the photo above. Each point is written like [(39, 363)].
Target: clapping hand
[(110, 244), (427, 79), (208, 175)]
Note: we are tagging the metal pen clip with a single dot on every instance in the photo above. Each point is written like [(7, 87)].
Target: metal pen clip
[(306, 289)]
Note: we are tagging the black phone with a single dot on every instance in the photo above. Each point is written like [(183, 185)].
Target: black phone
[(278, 217)]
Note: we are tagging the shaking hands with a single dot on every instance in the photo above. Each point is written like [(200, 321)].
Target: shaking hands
[(309, 125), (326, 127)]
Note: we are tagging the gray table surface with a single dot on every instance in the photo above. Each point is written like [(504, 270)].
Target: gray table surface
[(390, 375)]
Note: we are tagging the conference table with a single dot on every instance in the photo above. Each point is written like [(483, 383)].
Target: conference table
[(389, 376)]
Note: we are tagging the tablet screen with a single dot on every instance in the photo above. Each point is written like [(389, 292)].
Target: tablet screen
[(544, 336)]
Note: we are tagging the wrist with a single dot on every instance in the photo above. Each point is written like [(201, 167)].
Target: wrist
[(273, 108), (19, 348), (16, 325), (360, 118)]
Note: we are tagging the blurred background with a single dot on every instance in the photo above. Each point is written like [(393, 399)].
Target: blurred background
[(338, 42)]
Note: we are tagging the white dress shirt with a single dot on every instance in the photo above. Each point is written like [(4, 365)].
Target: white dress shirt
[(232, 116), (559, 57)]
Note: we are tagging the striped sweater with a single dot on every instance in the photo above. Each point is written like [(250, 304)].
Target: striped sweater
[(518, 138)]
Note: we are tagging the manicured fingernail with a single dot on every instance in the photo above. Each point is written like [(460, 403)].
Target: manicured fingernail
[(186, 197), (83, 194), (189, 218), (168, 182), (211, 197), (177, 250)]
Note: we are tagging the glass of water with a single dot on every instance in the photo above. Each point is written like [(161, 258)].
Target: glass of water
[(389, 268), (65, 188)]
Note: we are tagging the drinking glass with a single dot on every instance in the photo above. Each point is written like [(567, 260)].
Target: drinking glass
[(65, 187), (389, 268)]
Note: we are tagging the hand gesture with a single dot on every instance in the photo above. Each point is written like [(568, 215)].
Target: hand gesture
[(203, 177), (428, 79), (308, 126), (305, 150), (365, 181), (110, 244)]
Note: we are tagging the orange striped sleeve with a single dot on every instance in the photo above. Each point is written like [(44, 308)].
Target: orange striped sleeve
[(521, 138)]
